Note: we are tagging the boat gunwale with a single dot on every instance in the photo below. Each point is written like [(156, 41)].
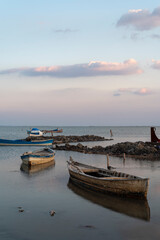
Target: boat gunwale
[(136, 178), (38, 154)]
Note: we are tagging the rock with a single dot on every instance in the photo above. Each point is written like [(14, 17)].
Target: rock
[(67, 145), (88, 226), (72, 138), (52, 212), (21, 210), (79, 145), (137, 149)]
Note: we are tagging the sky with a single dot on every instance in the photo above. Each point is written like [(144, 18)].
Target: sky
[(80, 63)]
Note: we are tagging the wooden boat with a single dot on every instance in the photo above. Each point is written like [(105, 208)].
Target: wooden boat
[(36, 168), (21, 142), (137, 208), (57, 130), (107, 181), (38, 157)]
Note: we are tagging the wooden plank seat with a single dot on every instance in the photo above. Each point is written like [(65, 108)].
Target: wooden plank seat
[(113, 178)]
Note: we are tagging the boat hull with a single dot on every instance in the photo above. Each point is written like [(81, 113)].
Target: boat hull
[(58, 130), (31, 160), (18, 142), (38, 157), (120, 186)]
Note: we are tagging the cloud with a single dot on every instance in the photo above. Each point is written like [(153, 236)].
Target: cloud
[(141, 19), (156, 36), (135, 91), (134, 36), (67, 30), (117, 94), (137, 36), (94, 68), (156, 64)]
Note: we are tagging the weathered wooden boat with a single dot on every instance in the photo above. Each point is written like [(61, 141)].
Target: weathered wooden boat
[(36, 168), (137, 208), (38, 157), (21, 142), (107, 181), (58, 130)]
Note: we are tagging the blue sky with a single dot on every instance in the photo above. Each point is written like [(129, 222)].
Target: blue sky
[(79, 62)]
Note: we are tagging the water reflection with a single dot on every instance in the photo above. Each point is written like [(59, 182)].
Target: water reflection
[(137, 208), (37, 168)]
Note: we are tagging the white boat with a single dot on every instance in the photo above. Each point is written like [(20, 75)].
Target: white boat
[(35, 132), (38, 157)]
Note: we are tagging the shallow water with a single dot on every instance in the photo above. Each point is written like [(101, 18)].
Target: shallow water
[(79, 214)]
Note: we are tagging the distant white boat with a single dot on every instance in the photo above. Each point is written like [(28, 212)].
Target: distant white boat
[(35, 132)]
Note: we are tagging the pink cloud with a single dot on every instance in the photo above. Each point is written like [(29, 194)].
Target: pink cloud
[(141, 19), (94, 68), (156, 64), (136, 91)]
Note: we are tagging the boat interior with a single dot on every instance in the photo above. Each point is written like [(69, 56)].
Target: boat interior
[(98, 172), (105, 174), (42, 152)]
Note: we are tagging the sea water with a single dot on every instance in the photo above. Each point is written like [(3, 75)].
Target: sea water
[(80, 214)]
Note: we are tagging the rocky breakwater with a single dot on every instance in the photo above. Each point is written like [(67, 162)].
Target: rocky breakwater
[(141, 150), (70, 139)]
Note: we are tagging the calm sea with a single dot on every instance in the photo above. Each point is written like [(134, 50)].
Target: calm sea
[(79, 214)]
